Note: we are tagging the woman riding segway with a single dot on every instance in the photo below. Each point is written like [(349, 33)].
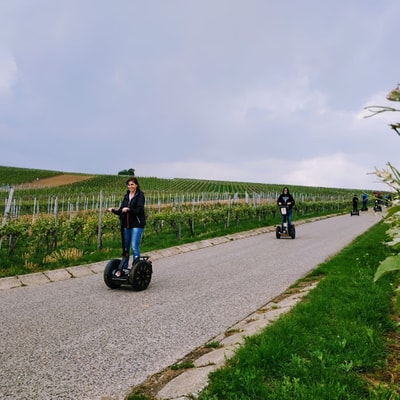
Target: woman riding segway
[(132, 220), (286, 202)]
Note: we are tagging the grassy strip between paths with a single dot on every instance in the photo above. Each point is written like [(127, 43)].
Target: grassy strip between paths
[(337, 344)]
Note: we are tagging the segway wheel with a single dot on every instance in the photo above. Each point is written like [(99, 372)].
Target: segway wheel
[(278, 232), (109, 272), (292, 232), (140, 275)]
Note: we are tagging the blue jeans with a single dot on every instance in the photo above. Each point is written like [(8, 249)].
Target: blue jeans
[(288, 216), (132, 239)]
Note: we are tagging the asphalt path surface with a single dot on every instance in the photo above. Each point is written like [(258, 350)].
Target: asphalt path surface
[(77, 339)]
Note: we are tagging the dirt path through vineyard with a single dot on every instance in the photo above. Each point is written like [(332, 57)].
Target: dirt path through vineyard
[(58, 180)]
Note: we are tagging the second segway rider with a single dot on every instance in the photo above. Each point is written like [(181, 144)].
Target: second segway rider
[(355, 203), (132, 218), (286, 199), (364, 202)]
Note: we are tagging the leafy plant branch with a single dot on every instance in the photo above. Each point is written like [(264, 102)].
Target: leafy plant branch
[(393, 95), (391, 177)]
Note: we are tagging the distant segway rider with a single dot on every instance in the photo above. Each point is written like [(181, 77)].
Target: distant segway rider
[(355, 203), (286, 199), (132, 217), (378, 198), (388, 200), (364, 202)]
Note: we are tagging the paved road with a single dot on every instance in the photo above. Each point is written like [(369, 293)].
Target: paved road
[(77, 339)]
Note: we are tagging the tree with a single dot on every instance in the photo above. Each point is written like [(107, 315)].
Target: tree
[(129, 172)]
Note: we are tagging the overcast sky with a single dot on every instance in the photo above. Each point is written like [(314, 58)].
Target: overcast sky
[(239, 90)]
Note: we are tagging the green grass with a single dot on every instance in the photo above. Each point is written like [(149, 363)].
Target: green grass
[(15, 176), (213, 345), (182, 365), (323, 348)]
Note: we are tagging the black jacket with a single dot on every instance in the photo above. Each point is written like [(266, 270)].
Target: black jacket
[(285, 198), (135, 218)]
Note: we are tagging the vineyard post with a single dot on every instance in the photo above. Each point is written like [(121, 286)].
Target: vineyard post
[(7, 210), (70, 206), (180, 202), (34, 210), (228, 217), (55, 209), (99, 230)]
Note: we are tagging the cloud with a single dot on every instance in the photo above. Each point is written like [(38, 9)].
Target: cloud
[(251, 91), (339, 169), (332, 170)]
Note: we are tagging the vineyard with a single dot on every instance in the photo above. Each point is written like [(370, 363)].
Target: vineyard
[(52, 219)]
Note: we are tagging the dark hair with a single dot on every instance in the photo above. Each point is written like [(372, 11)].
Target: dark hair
[(134, 180)]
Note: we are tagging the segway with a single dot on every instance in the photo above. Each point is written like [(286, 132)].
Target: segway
[(355, 211), (138, 276), (283, 231), (377, 206)]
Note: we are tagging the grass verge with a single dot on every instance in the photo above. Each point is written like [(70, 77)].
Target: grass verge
[(336, 344), (340, 342)]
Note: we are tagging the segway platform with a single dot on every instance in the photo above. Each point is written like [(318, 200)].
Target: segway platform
[(283, 231), (355, 212), (138, 277)]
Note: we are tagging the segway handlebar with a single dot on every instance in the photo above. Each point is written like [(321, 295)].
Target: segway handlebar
[(283, 208)]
